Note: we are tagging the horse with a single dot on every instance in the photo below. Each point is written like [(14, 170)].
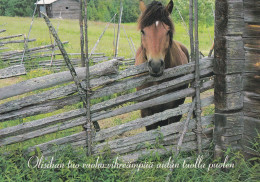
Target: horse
[(160, 51)]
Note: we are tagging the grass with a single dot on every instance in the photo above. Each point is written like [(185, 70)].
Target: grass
[(69, 31)]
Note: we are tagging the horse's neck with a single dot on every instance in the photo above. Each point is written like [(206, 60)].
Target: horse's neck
[(174, 56)]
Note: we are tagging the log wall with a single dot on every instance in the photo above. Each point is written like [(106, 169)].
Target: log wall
[(236, 65)]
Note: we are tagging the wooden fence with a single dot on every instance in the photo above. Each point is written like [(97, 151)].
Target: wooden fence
[(49, 56), (106, 80)]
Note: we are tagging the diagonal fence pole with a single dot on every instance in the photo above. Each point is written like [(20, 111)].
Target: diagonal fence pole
[(66, 58), (82, 93)]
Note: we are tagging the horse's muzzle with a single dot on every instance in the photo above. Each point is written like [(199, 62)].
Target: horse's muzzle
[(156, 68)]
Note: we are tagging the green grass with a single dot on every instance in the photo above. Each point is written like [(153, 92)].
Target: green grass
[(14, 167), (69, 31)]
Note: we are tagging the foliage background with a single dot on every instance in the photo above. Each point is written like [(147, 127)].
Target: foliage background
[(103, 10)]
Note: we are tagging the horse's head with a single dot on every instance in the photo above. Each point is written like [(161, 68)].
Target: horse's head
[(157, 31)]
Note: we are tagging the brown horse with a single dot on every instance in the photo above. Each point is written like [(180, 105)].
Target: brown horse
[(160, 51)]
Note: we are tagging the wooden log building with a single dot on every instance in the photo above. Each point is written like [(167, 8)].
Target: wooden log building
[(67, 9), (237, 70)]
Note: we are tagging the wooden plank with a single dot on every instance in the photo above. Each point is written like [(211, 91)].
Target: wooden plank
[(11, 53), (41, 123), (16, 41), (252, 11), (252, 62), (149, 92), (53, 105), (250, 81), (142, 122), (186, 147), (252, 104), (118, 87), (1, 31), (12, 71), (228, 101), (229, 55), (33, 129), (166, 141), (10, 37), (251, 30), (229, 18), (55, 79), (229, 83), (44, 131), (153, 102), (81, 137), (40, 109)]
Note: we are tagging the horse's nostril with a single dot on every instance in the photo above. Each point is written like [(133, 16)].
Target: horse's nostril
[(150, 63), (162, 63)]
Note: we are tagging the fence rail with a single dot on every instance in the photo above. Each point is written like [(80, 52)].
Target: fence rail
[(106, 80)]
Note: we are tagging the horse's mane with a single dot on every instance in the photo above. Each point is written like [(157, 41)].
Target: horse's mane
[(155, 11)]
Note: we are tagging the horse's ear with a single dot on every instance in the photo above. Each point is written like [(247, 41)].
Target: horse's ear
[(169, 7), (142, 6)]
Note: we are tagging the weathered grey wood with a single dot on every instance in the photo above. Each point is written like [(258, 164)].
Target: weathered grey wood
[(142, 122), (44, 131), (12, 36), (152, 102), (12, 71), (30, 50), (229, 17), (228, 102), (149, 92), (55, 79), (252, 62), (251, 11), (40, 109), (81, 137), (1, 31), (70, 89), (16, 41), (147, 136), (166, 141), (229, 55), (251, 30), (39, 124), (251, 104), (189, 146), (49, 106), (127, 84), (229, 83), (185, 127)]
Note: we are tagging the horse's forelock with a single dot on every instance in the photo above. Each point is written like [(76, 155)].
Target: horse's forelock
[(155, 12)]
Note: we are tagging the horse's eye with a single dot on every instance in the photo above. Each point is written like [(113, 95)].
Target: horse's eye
[(142, 32)]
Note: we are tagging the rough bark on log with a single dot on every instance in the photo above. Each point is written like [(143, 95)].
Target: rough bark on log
[(12, 71), (10, 37), (55, 79), (189, 146), (152, 102), (32, 126), (16, 41)]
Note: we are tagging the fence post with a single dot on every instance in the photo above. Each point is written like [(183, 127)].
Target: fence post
[(119, 25), (88, 91)]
